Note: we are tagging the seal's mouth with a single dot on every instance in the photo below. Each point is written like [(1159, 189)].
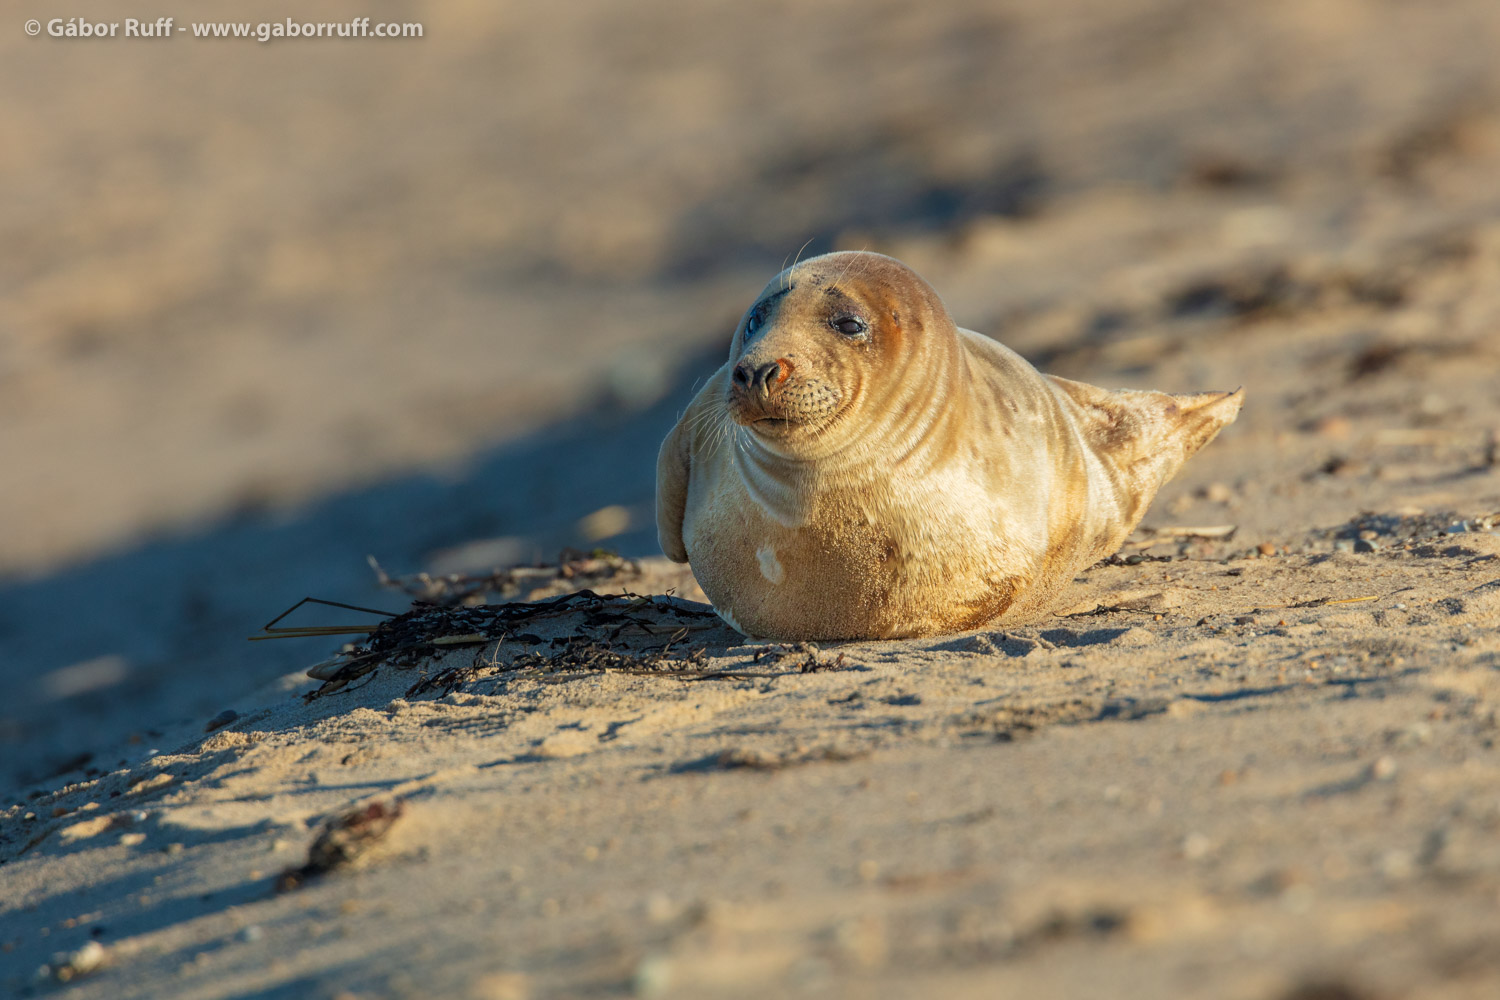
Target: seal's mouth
[(762, 422), (785, 412), (758, 413)]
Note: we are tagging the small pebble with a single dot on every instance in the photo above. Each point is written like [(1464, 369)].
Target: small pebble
[(653, 976), (1365, 545), (70, 965), (1218, 493), (251, 934), (1384, 768), (1333, 426)]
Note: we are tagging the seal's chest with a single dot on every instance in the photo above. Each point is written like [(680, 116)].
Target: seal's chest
[(755, 552), (782, 583), (839, 571)]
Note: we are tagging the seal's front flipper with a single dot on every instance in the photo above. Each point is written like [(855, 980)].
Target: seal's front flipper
[(1146, 436), (672, 464)]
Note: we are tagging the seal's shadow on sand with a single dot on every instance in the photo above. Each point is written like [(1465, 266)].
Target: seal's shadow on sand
[(163, 624)]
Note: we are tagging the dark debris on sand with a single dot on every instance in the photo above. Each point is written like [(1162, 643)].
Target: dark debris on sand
[(1399, 529), (342, 841), (595, 629)]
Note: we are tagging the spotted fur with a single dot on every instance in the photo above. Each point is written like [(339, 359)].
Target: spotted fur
[(911, 479)]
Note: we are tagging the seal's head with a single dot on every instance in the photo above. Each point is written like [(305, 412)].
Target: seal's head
[(833, 343)]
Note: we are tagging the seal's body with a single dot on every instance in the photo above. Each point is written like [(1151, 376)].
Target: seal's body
[(862, 468)]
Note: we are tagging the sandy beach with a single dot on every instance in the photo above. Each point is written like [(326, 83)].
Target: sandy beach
[(269, 310)]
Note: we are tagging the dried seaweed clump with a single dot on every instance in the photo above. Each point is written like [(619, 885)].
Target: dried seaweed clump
[(580, 655), (595, 628), (573, 569)]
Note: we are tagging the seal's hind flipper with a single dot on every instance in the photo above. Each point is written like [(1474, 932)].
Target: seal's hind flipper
[(1201, 415), (1146, 436)]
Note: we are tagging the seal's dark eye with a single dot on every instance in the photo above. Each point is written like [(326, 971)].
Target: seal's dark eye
[(849, 326), (753, 323)]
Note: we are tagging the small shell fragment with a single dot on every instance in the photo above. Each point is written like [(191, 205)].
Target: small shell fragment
[(325, 669)]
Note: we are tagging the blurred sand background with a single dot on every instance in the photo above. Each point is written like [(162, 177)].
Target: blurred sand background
[(267, 309)]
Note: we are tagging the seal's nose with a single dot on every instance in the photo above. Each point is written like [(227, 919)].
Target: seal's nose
[(762, 380)]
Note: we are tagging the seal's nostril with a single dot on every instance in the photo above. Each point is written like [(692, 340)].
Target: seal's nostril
[(769, 374), (741, 373)]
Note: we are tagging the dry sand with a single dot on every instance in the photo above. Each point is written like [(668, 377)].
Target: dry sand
[(1199, 792), (1264, 767)]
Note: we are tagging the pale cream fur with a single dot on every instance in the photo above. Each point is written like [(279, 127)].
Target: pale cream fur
[(906, 479)]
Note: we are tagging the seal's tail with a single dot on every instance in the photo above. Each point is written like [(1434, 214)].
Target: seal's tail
[(1146, 436)]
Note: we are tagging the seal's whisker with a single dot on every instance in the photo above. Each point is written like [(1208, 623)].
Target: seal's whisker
[(853, 258), (721, 431), (787, 279), (712, 426)]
